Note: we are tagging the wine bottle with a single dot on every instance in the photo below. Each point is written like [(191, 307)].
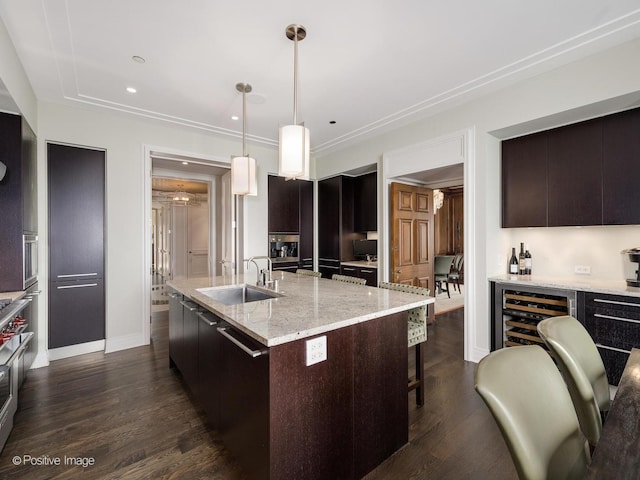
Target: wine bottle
[(513, 262), (521, 264), (527, 260)]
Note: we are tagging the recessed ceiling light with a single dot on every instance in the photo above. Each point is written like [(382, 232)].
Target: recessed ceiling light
[(137, 58), (131, 90), (235, 117), (332, 122), (185, 163)]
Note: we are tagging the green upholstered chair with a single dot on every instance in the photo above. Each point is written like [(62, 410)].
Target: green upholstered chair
[(579, 361), (310, 273), (441, 270), (417, 335), (529, 401), (349, 279)]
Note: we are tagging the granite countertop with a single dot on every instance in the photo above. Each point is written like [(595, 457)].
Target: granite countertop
[(360, 263), (308, 305), (587, 284)]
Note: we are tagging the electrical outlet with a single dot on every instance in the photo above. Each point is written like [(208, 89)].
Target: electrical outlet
[(316, 350), (582, 269)]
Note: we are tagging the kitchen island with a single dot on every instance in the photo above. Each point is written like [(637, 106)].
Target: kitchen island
[(281, 414)]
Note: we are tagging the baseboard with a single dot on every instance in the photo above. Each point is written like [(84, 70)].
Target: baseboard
[(478, 354), (74, 350), (41, 360), (123, 343)]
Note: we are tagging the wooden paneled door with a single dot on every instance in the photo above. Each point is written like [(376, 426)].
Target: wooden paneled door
[(412, 236)]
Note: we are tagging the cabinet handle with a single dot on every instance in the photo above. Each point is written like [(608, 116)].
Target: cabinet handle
[(366, 271), (202, 317), (73, 275), (614, 302), (243, 347), (599, 345), (610, 317), (174, 295), (347, 269), (192, 307), (78, 286)]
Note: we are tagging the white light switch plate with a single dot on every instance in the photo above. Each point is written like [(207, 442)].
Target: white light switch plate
[(316, 350)]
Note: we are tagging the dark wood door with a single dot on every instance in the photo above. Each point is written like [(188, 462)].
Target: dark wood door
[(412, 235), (329, 218), (365, 199), (76, 312), (76, 179), (621, 163), (209, 366), (306, 223), (524, 181), (284, 205), (190, 345), (176, 329), (575, 174)]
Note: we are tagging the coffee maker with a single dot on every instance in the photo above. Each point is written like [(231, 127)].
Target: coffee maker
[(634, 256)]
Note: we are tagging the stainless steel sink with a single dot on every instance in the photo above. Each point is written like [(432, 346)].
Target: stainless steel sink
[(237, 294)]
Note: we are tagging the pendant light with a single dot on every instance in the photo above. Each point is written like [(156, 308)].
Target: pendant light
[(294, 139), (243, 169)]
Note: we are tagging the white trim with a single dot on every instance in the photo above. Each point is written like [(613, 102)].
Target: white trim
[(74, 350), (450, 149), (41, 360)]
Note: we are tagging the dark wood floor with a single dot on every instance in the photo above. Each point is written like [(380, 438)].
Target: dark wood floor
[(129, 413)]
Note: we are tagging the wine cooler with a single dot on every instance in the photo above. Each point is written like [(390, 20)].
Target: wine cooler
[(516, 311)]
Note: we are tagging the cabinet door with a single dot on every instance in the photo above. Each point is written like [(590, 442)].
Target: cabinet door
[(244, 402), (329, 218), (76, 210), (284, 205), (575, 174), (29, 179), (176, 329), (524, 181), (190, 345), (370, 275), (306, 222), (209, 366), (621, 153), (76, 313), (365, 199)]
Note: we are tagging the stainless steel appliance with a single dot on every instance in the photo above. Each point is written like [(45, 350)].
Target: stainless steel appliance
[(29, 259), (284, 247), (15, 339), (634, 256)]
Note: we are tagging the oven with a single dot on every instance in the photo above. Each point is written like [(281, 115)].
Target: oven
[(283, 247), (29, 259), (15, 340)]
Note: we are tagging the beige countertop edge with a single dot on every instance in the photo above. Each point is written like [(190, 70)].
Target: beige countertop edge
[(360, 263), (613, 287), (290, 327), (13, 296)]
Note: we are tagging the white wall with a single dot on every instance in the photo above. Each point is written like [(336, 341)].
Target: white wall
[(544, 101), (124, 138)]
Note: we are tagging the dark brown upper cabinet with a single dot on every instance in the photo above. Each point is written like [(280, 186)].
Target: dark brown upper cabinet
[(581, 174), (575, 174), (524, 181), (306, 222), (284, 205), (621, 168), (365, 203)]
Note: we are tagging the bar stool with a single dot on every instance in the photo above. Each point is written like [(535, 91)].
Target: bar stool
[(309, 273), (349, 279)]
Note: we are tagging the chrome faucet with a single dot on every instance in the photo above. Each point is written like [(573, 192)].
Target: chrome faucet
[(263, 277)]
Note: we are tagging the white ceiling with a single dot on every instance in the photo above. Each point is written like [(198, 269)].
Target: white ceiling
[(368, 65)]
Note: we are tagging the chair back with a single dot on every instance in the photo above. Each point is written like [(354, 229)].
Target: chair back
[(528, 399), (417, 328), (349, 279), (442, 264), (310, 273), (582, 368)]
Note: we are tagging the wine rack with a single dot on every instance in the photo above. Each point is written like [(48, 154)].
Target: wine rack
[(517, 311)]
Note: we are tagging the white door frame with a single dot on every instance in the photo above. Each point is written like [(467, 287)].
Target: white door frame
[(451, 149), (146, 269)]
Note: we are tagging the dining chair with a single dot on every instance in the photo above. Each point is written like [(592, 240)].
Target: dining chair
[(417, 335), (529, 401), (349, 279), (441, 270), (581, 365), (456, 272), (309, 273)]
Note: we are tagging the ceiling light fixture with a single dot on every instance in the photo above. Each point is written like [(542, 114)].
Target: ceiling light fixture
[(294, 139), (138, 59), (243, 169), (438, 200), (131, 90)]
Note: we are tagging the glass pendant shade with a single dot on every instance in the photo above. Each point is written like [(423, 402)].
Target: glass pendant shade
[(294, 151), (243, 176)]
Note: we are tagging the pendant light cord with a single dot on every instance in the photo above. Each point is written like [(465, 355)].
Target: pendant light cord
[(295, 76)]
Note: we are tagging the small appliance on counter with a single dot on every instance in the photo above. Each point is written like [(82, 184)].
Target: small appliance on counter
[(634, 256), (365, 250)]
